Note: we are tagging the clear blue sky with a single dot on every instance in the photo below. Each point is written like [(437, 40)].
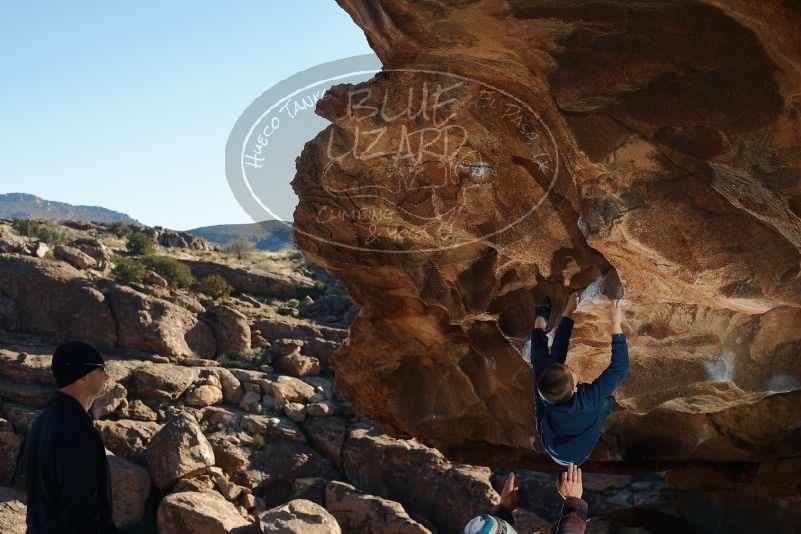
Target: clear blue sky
[(128, 105)]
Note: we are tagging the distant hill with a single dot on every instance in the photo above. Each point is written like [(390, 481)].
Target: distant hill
[(265, 235), (32, 207)]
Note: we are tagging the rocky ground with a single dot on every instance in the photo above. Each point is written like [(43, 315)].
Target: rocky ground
[(223, 416)]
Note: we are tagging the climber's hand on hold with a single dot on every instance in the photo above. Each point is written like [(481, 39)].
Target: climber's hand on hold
[(569, 484), (616, 316), (509, 494), (572, 304)]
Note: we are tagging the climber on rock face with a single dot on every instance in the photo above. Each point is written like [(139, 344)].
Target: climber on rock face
[(570, 414)]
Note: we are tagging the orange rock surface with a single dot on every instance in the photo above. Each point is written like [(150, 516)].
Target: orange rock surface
[(516, 149)]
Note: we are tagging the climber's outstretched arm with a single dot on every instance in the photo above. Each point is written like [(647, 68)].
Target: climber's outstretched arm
[(561, 338), (611, 378)]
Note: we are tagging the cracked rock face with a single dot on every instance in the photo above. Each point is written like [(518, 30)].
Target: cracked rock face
[(517, 149)]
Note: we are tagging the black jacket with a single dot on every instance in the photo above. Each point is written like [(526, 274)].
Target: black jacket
[(67, 473)]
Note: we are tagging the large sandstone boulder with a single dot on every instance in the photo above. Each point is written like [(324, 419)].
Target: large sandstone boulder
[(10, 444), (12, 511), (167, 237), (364, 514), (253, 281), (299, 517), (163, 381), (113, 397), (231, 387), (288, 389), (10, 241), (205, 395), (127, 438), (283, 462), (200, 512), (75, 257), (30, 282), (177, 450), (230, 327), (152, 324), (130, 486), (656, 141), (410, 473), (94, 248), (327, 435)]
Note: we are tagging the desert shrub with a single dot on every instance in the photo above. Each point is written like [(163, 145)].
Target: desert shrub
[(49, 233), (293, 302), (173, 271), (52, 235), (129, 270), (241, 249), (314, 291), (257, 442), (214, 286), (141, 243), (26, 227), (296, 255), (119, 229)]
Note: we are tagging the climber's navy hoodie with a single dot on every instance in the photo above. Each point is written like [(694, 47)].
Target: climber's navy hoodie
[(569, 430)]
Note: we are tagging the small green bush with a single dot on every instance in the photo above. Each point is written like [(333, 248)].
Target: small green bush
[(296, 255), (293, 302), (257, 442), (119, 229), (241, 249), (173, 271), (26, 227), (52, 235), (49, 233), (129, 270), (141, 243), (214, 286)]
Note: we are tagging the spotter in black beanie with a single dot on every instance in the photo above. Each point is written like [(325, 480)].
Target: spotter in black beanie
[(74, 359)]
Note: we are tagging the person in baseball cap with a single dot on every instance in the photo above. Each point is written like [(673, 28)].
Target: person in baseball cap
[(67, 474)]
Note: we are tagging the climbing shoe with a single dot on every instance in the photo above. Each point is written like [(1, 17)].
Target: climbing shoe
[(544, 308)]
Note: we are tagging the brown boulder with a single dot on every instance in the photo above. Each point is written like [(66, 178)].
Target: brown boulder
[(364, 514), (230, 327), (10, 241), (154, 279), (327, 435), (299, 517), (75, 257), (581, 151), (113, 398), (163, 381), (152, 324), (288, 389), (177, 450), (24, 393), (204, 395), (32, 281), (94, 248), (231, 387), (200, 512), (127, 438), (253, 281), (12, 511), (410, 473), (10, 444), (130, 486), (297, 365), (282, 462)]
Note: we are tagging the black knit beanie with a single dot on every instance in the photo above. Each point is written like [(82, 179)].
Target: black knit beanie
[(74, 359)]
